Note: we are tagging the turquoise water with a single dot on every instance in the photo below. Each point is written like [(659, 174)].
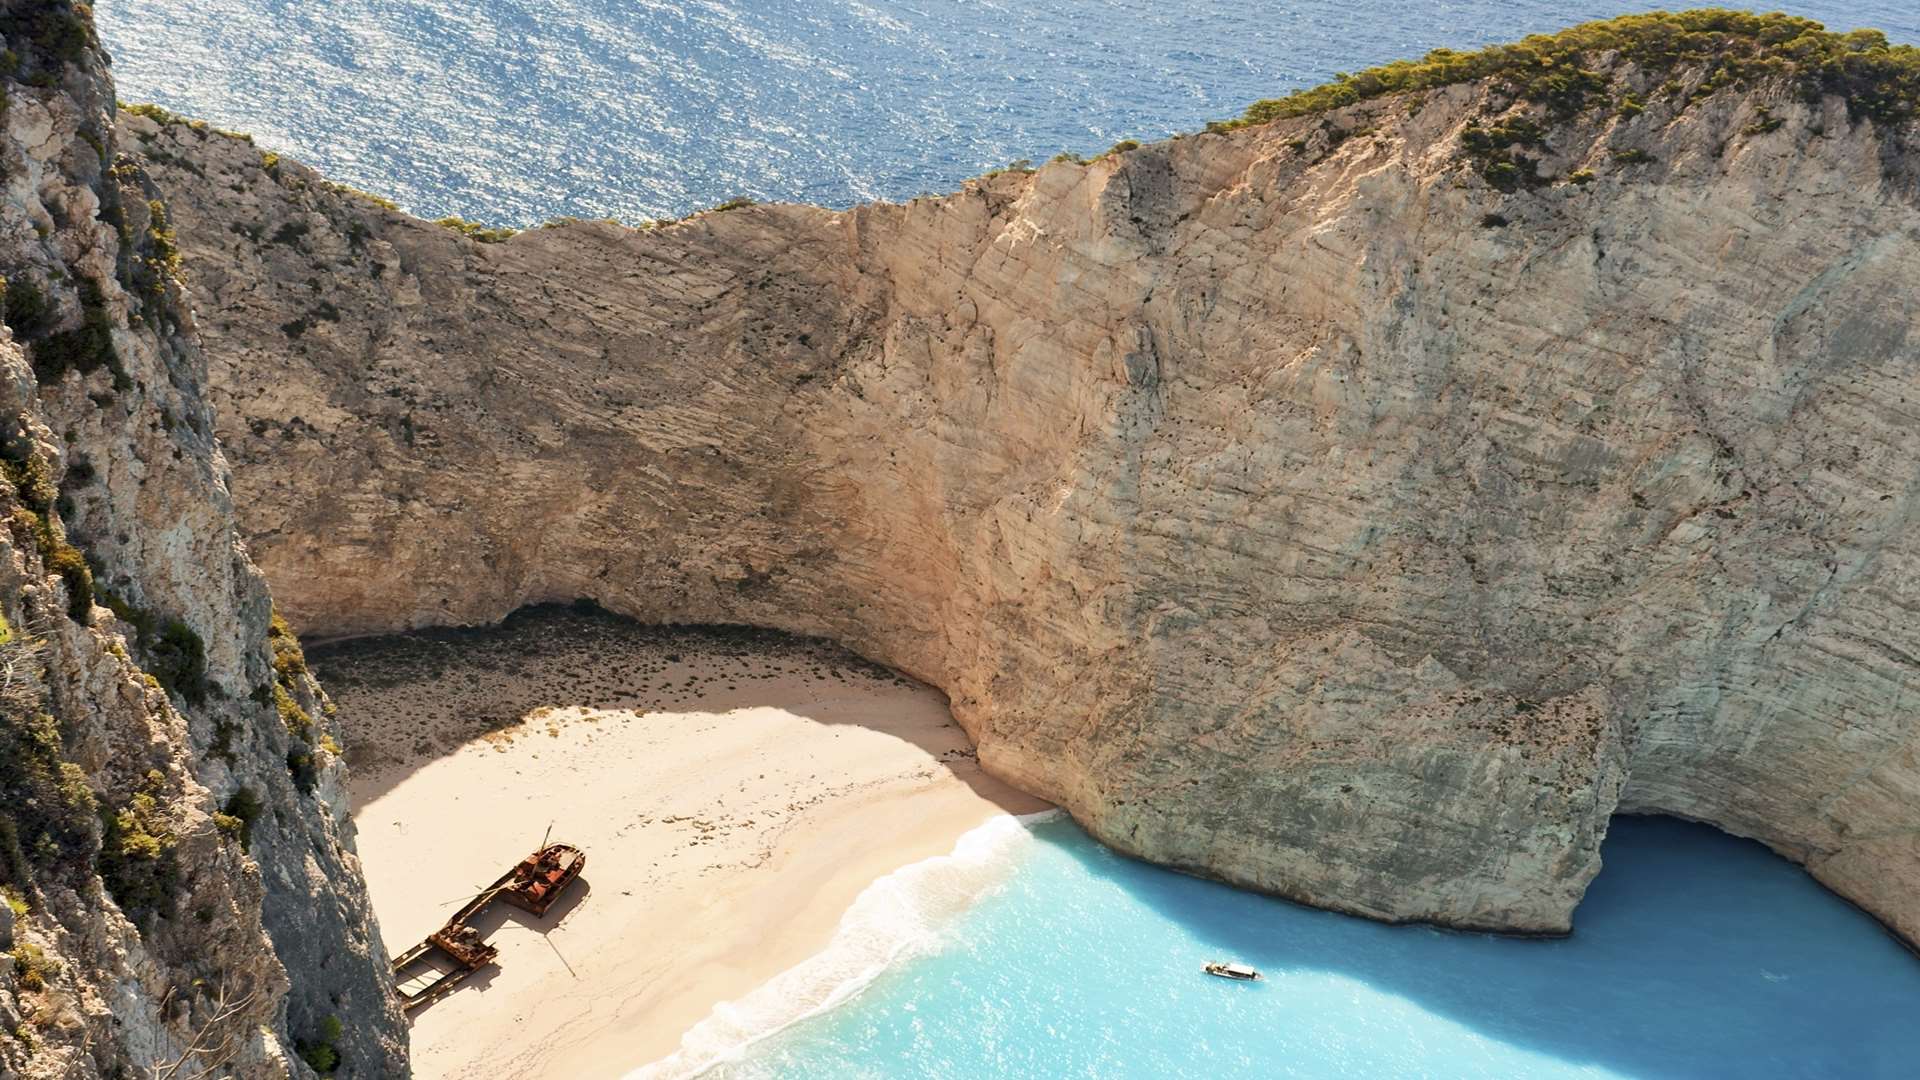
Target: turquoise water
[(515, 111), (1696, 955)]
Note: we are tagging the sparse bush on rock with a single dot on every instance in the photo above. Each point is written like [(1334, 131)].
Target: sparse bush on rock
[(1879, 81)]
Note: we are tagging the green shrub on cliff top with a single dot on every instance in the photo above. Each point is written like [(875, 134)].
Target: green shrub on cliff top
[(380, 201), (155, 113), (474, 231), (58, 31), (1878, 80), (167, 118)]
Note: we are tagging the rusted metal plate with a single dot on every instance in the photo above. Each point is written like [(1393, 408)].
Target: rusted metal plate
[(457, 950)]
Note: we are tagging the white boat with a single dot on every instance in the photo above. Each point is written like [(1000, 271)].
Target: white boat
[(1232, 971)]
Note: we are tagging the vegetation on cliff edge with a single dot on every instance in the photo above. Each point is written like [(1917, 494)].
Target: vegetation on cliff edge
[(484, 234), (1558, 71), (35, 523), (46, 806), (139, 862), (167, 118), (175, 655)]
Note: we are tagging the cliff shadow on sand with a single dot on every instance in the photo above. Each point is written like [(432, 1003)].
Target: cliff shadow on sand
[(721, 781), (405, 700), (1359, 503)]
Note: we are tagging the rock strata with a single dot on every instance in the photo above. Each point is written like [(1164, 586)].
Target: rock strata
[(178, 891), (1293, 504)]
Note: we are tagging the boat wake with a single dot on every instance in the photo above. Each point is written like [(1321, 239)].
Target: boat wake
[(897, 918)]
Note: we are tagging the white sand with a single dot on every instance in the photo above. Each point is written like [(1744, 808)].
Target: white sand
[(728, 823)]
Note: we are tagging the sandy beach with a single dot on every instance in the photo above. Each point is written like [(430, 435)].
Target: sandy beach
[(734, 792)]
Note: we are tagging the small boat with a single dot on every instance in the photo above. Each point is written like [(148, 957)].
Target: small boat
[(1240, 972)]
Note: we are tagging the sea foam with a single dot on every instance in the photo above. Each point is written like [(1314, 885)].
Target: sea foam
[(899, 917)]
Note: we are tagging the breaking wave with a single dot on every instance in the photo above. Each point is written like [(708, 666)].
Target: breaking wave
[(899, 917)]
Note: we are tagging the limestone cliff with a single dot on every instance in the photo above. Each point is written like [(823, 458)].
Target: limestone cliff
[(180, 893), (1362, 506)]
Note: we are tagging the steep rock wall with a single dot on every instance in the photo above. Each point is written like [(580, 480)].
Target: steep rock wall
[(1289, 504), (189, 900)]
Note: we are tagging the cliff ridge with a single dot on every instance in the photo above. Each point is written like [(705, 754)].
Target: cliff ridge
[(178, 891), (1361, 504)]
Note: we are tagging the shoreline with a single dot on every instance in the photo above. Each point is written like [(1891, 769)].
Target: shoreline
[(735, 796), (902, 916)]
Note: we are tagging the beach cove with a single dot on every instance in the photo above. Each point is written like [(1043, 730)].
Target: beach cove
[(795, 868), (734, 792)]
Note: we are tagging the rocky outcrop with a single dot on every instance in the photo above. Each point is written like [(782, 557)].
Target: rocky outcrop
[(1312, 505), (180, 889)]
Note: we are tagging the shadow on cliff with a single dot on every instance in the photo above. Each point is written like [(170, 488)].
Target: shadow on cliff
[(1688, 945), (484, 668)]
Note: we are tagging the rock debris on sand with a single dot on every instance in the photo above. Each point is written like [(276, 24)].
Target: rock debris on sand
[(734, 791)]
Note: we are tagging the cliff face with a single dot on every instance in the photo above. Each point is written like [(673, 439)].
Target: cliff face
[(1290, 504), (181, 896)]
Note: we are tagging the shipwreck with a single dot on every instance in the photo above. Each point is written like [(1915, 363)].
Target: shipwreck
[(430, 970)]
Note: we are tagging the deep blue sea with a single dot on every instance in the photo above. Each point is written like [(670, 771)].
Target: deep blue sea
[(515, 111), (1037, 953)]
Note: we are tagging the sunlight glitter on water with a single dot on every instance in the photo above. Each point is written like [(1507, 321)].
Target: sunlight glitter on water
[(512, 112)]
